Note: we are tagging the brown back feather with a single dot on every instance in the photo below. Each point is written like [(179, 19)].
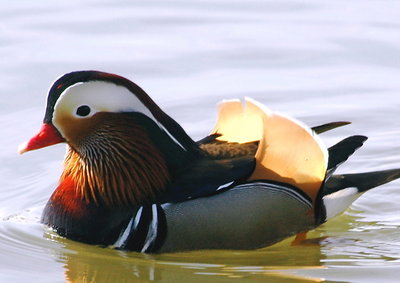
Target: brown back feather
[(227, 150)]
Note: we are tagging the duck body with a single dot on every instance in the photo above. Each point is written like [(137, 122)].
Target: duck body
[(260, 214), (134, 180)]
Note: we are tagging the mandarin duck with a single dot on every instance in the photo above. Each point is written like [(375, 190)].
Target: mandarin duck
[(134, 180)]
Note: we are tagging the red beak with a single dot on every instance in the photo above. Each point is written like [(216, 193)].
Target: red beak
[(48, 135)]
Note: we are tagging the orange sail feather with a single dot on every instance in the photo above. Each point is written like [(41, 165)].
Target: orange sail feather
[(288, 151)]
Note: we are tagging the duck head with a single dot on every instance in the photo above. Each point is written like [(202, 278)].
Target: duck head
[(122, 148)]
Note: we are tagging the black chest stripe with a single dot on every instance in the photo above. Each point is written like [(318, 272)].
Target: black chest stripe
[(145, 232)]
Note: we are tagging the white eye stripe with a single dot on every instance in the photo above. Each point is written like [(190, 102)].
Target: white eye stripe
[(101, 96)]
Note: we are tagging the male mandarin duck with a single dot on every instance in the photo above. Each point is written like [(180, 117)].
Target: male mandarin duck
[(134, 180)]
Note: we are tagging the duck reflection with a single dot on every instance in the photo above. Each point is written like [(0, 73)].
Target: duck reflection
[(85, 263)]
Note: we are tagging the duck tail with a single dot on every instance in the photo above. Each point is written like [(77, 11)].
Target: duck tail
[(340, 191), (341, 151), (329, 126)]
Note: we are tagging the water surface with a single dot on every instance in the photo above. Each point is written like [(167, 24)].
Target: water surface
[(318, 61)]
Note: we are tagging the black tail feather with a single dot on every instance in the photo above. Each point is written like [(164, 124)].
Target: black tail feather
[(329, 126), (341, 151), (362, 181), (208, 139)]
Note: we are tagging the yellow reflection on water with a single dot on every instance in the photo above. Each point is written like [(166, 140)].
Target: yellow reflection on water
[(279, 263)]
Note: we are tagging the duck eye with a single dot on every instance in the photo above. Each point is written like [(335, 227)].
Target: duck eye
[(83, 111)]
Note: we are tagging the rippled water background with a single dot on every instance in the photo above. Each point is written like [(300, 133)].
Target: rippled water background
[(318, 61)]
